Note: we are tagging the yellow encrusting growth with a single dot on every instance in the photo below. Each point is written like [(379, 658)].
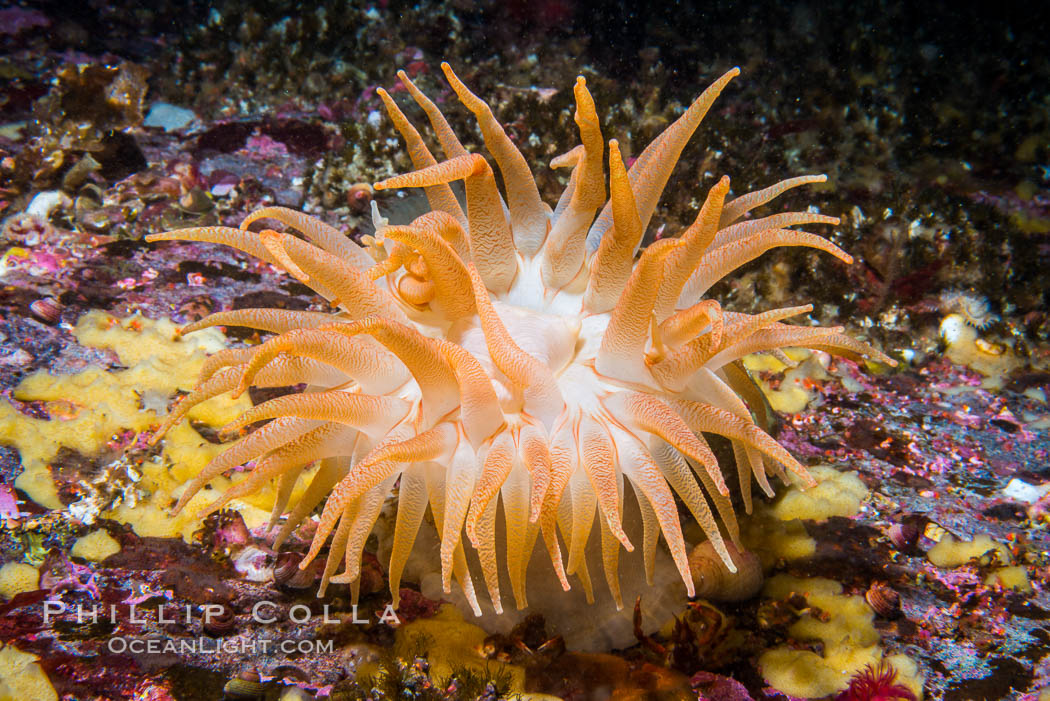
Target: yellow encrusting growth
[(964, 346), (836, 494), (451, 644), (844, 628), (848, 639), (513, 359), (18, 577), (776, 532), (93, 407), (21, 677), (949, 552), (96, 546), (798, 382), (1014, 577)]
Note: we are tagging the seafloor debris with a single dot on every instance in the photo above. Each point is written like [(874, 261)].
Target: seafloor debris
[(80, 127)]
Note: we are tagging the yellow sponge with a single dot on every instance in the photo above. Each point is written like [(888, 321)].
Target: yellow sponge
[(952, 553), (1015, 577), (95, 546), (453, 643), (21, 678), (93, 406), (849, 640), (836, 494), (17, 577)]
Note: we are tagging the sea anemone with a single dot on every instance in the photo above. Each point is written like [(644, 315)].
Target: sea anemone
[(973, 308), (513, 355)]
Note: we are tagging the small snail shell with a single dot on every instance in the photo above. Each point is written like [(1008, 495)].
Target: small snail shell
[(884, 600), (715, 582), (989, 348), (46, 309), (222, 624), (904, 536), (286, 572), (246, 685), (359, 197)]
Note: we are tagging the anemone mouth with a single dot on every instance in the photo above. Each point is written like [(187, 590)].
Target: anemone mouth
[(512, 361)]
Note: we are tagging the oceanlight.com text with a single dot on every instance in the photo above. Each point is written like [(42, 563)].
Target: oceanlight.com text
[(211, 646)]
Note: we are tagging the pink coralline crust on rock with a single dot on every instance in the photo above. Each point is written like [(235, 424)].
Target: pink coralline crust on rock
[(263, 146), (714, 687), (414, 605), (795, 442), (63, 575)]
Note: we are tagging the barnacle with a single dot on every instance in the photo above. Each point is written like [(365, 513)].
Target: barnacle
[(513, 355)]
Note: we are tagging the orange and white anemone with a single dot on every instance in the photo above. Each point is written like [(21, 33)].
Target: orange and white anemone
[(513, 359)]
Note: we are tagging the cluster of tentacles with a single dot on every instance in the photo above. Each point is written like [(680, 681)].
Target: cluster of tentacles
[(512, 357)]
